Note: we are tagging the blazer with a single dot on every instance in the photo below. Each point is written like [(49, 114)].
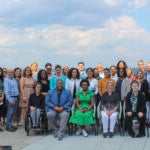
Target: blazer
[(141, 103), (66, 100), (125, 88)]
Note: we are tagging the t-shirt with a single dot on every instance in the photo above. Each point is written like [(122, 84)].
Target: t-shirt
[(133, 100)]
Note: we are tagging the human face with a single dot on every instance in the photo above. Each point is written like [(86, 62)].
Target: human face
[(11, 73), (74, 73), (34, 67), (66, 69), (58, 70), (4, 72), (129, 73), (43, 74), (100, 67), (59, 85), (106, 74), (148, 67), (28, 72), (135, 87), (110, 87), (96, 74), (84, 86), (81, 67), (38, 88), (90, 73), (121, 73), (121, 65), (139, 75), (48, 69), (18, 73), (141, 65), (113, 70)]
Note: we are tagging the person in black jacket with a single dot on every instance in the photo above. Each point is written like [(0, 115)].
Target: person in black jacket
[(36, 104), (135, 107)]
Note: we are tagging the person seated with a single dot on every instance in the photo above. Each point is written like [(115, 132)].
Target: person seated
[(84, 109), (58, 105), (109, 109), (36, 104), (135, 108)]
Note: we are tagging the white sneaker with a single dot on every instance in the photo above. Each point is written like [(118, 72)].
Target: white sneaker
[(84, 133), (78, 132)]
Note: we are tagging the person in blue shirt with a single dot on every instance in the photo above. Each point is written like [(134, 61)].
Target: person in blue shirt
[(57, 76), (83, 74), (11, 89), (58, 105)]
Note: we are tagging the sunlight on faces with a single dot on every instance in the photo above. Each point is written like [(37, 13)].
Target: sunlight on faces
[(90, 73), (37, 88), (34, 67), (100, 67), (81, 67), (84, 86), (11, 72), (106, 73)]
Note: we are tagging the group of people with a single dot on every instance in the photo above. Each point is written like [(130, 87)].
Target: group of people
[(78, 90)]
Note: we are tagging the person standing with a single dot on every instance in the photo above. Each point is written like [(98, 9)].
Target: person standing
[(48, 68), (113, 72), (83, 74), (58, 75), (73, 81), (17, 115), (147, 75), (35, 69), (11, 89), (100, 70), (141, 65), (26, 87)]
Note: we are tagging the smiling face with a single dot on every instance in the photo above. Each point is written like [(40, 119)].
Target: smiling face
[(38, 88), (89, 73), (74, 73), (135, 87), (59, 85), (84, 86)]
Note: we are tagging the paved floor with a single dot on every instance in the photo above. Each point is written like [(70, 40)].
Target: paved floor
[(20, 141)]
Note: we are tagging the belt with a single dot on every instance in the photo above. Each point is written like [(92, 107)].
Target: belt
[(14, 96)]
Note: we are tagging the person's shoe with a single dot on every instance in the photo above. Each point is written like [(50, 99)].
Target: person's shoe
[(111, 134), (132, 134), (14, 127), (60, 138), (10, 129), (19, 124), (105, 135), (140, 135), (55, 134), (84, 133), (1, 129), (78, 132)]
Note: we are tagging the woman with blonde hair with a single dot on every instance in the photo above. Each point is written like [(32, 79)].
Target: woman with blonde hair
[(35, 69), (27, 84)]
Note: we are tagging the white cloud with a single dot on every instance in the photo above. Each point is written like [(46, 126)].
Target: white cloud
[(140, 3)]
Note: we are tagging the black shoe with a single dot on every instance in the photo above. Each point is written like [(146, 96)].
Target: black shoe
[(1, 129), (104, 135), (111, 134), (132, 134), (10, 129), (140, 135), (14, 127)]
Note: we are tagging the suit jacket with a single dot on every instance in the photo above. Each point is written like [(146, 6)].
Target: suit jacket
[(141, 103), (66, 100)]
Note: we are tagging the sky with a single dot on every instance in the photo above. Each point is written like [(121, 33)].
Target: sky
[(68, 31)]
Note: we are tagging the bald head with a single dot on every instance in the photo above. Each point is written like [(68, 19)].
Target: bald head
[(10, 72)]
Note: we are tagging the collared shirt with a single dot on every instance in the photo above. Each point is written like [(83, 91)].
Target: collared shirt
[(11, 88), (93, 86), (102, 84), (83, 75)]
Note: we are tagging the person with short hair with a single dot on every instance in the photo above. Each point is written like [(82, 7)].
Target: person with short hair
[(57, 76), (100, 70), (113, 72), (83, 74), (102, 83), (84, 109), (141, 65), (11, 89), (110, 107), (135, 107), (58, 105), (48, 68)]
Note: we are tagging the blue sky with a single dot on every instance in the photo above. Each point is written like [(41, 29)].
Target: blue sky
[(66, 32)]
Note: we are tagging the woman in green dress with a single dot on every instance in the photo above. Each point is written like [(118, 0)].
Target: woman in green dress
[(84, 108)]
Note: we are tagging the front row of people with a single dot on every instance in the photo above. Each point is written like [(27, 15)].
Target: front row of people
[(59, 103)]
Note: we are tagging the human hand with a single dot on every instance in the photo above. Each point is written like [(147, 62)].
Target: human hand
[(140, 114), (32, 108), (129, 114), (56, 109), (12, 103)]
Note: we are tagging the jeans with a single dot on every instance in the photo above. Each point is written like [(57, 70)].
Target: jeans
[(10, 113), (35, 115), (148, 111)]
